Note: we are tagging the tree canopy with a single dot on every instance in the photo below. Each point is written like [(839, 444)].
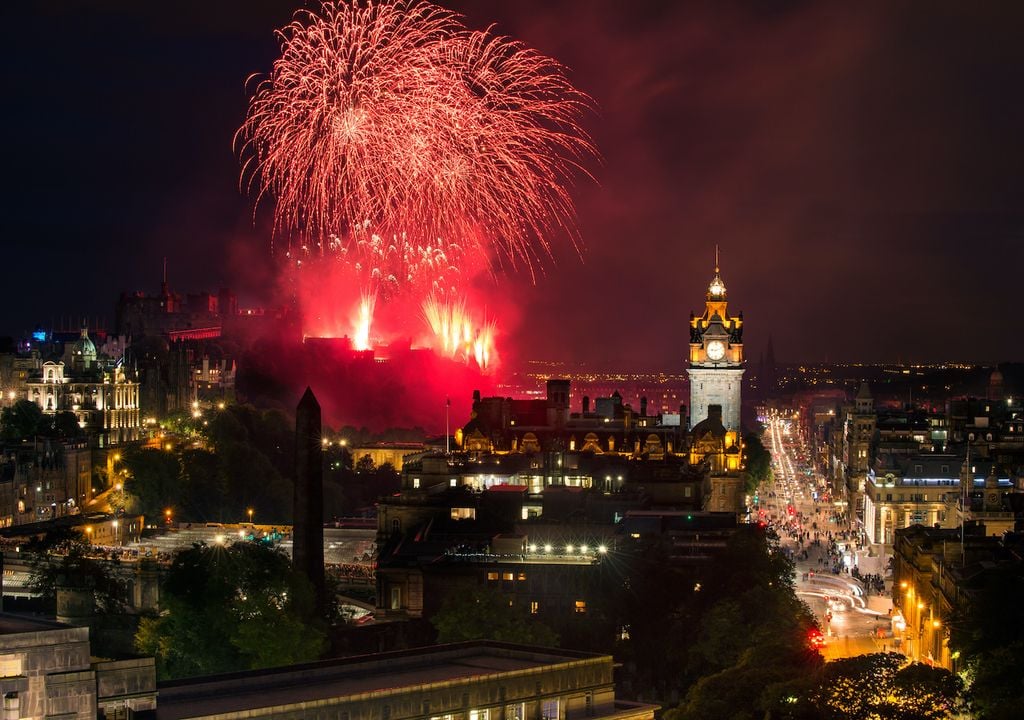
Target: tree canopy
[(757, 460), (62, 558), (884, 686), (478, 613), (232, 608), (24, 419), (990, 639)]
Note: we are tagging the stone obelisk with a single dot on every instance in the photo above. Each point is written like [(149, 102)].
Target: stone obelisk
[(308, 530)]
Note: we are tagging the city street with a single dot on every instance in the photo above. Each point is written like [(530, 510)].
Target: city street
[(853, 614)]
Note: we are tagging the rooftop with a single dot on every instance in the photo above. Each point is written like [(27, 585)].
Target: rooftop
[(337, 680), (14, 624)]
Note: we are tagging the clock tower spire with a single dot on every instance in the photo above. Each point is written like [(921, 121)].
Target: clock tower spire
[(716, 356)]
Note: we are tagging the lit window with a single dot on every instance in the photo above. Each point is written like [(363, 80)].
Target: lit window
[(516, 711), (521, 577), (581, 606), (453, 482), (479, 714), (534, 607), (10, 665), (492, 576), (415, 482), (507, 576), (549, 709)]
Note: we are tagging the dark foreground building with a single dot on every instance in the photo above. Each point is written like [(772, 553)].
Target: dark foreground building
[(466, 681), (47, 670)]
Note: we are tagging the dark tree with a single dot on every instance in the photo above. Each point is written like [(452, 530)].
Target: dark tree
[(232, 608), (482, 613), (23, 419), (65, 425), (989, 637), (63, 559), (152, 480), (882, 685), (757, 460)]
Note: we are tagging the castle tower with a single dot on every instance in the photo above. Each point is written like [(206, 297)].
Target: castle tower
[(716, 357)]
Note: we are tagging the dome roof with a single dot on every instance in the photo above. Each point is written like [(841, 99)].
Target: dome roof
[(83, 347)]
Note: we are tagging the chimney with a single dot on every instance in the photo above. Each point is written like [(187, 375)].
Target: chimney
[(715, 412), (586, 404), (643, 407)]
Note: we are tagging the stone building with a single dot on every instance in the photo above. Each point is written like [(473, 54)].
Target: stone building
[(466, 681), (100, 392), (46, 670), (44, 479), (937, 573), (926, 489)]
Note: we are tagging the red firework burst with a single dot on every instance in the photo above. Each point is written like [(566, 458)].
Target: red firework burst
[(395, 119)]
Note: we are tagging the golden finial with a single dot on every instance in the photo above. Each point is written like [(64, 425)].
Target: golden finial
[(716, 258)]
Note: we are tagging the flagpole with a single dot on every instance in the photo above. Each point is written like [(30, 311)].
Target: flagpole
[(447, 435)]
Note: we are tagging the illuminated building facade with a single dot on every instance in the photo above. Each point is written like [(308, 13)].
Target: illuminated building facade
[(716, 358), (926, 489), (99, 392), (937, 573), (717, 449)]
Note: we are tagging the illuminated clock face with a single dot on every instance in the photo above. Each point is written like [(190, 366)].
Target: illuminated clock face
[(716, 350)]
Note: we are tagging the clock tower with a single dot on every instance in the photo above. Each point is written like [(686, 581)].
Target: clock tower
[(716, 357)]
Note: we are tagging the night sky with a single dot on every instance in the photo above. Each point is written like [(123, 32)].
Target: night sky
[(860, 164)]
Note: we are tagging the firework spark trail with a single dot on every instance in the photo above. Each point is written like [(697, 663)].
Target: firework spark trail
[(463, 336), (397, 115), (363, 322)]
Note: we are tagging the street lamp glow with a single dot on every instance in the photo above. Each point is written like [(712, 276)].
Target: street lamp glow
[(547, 548), (568, 549), (602, 549), (583, 549)]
